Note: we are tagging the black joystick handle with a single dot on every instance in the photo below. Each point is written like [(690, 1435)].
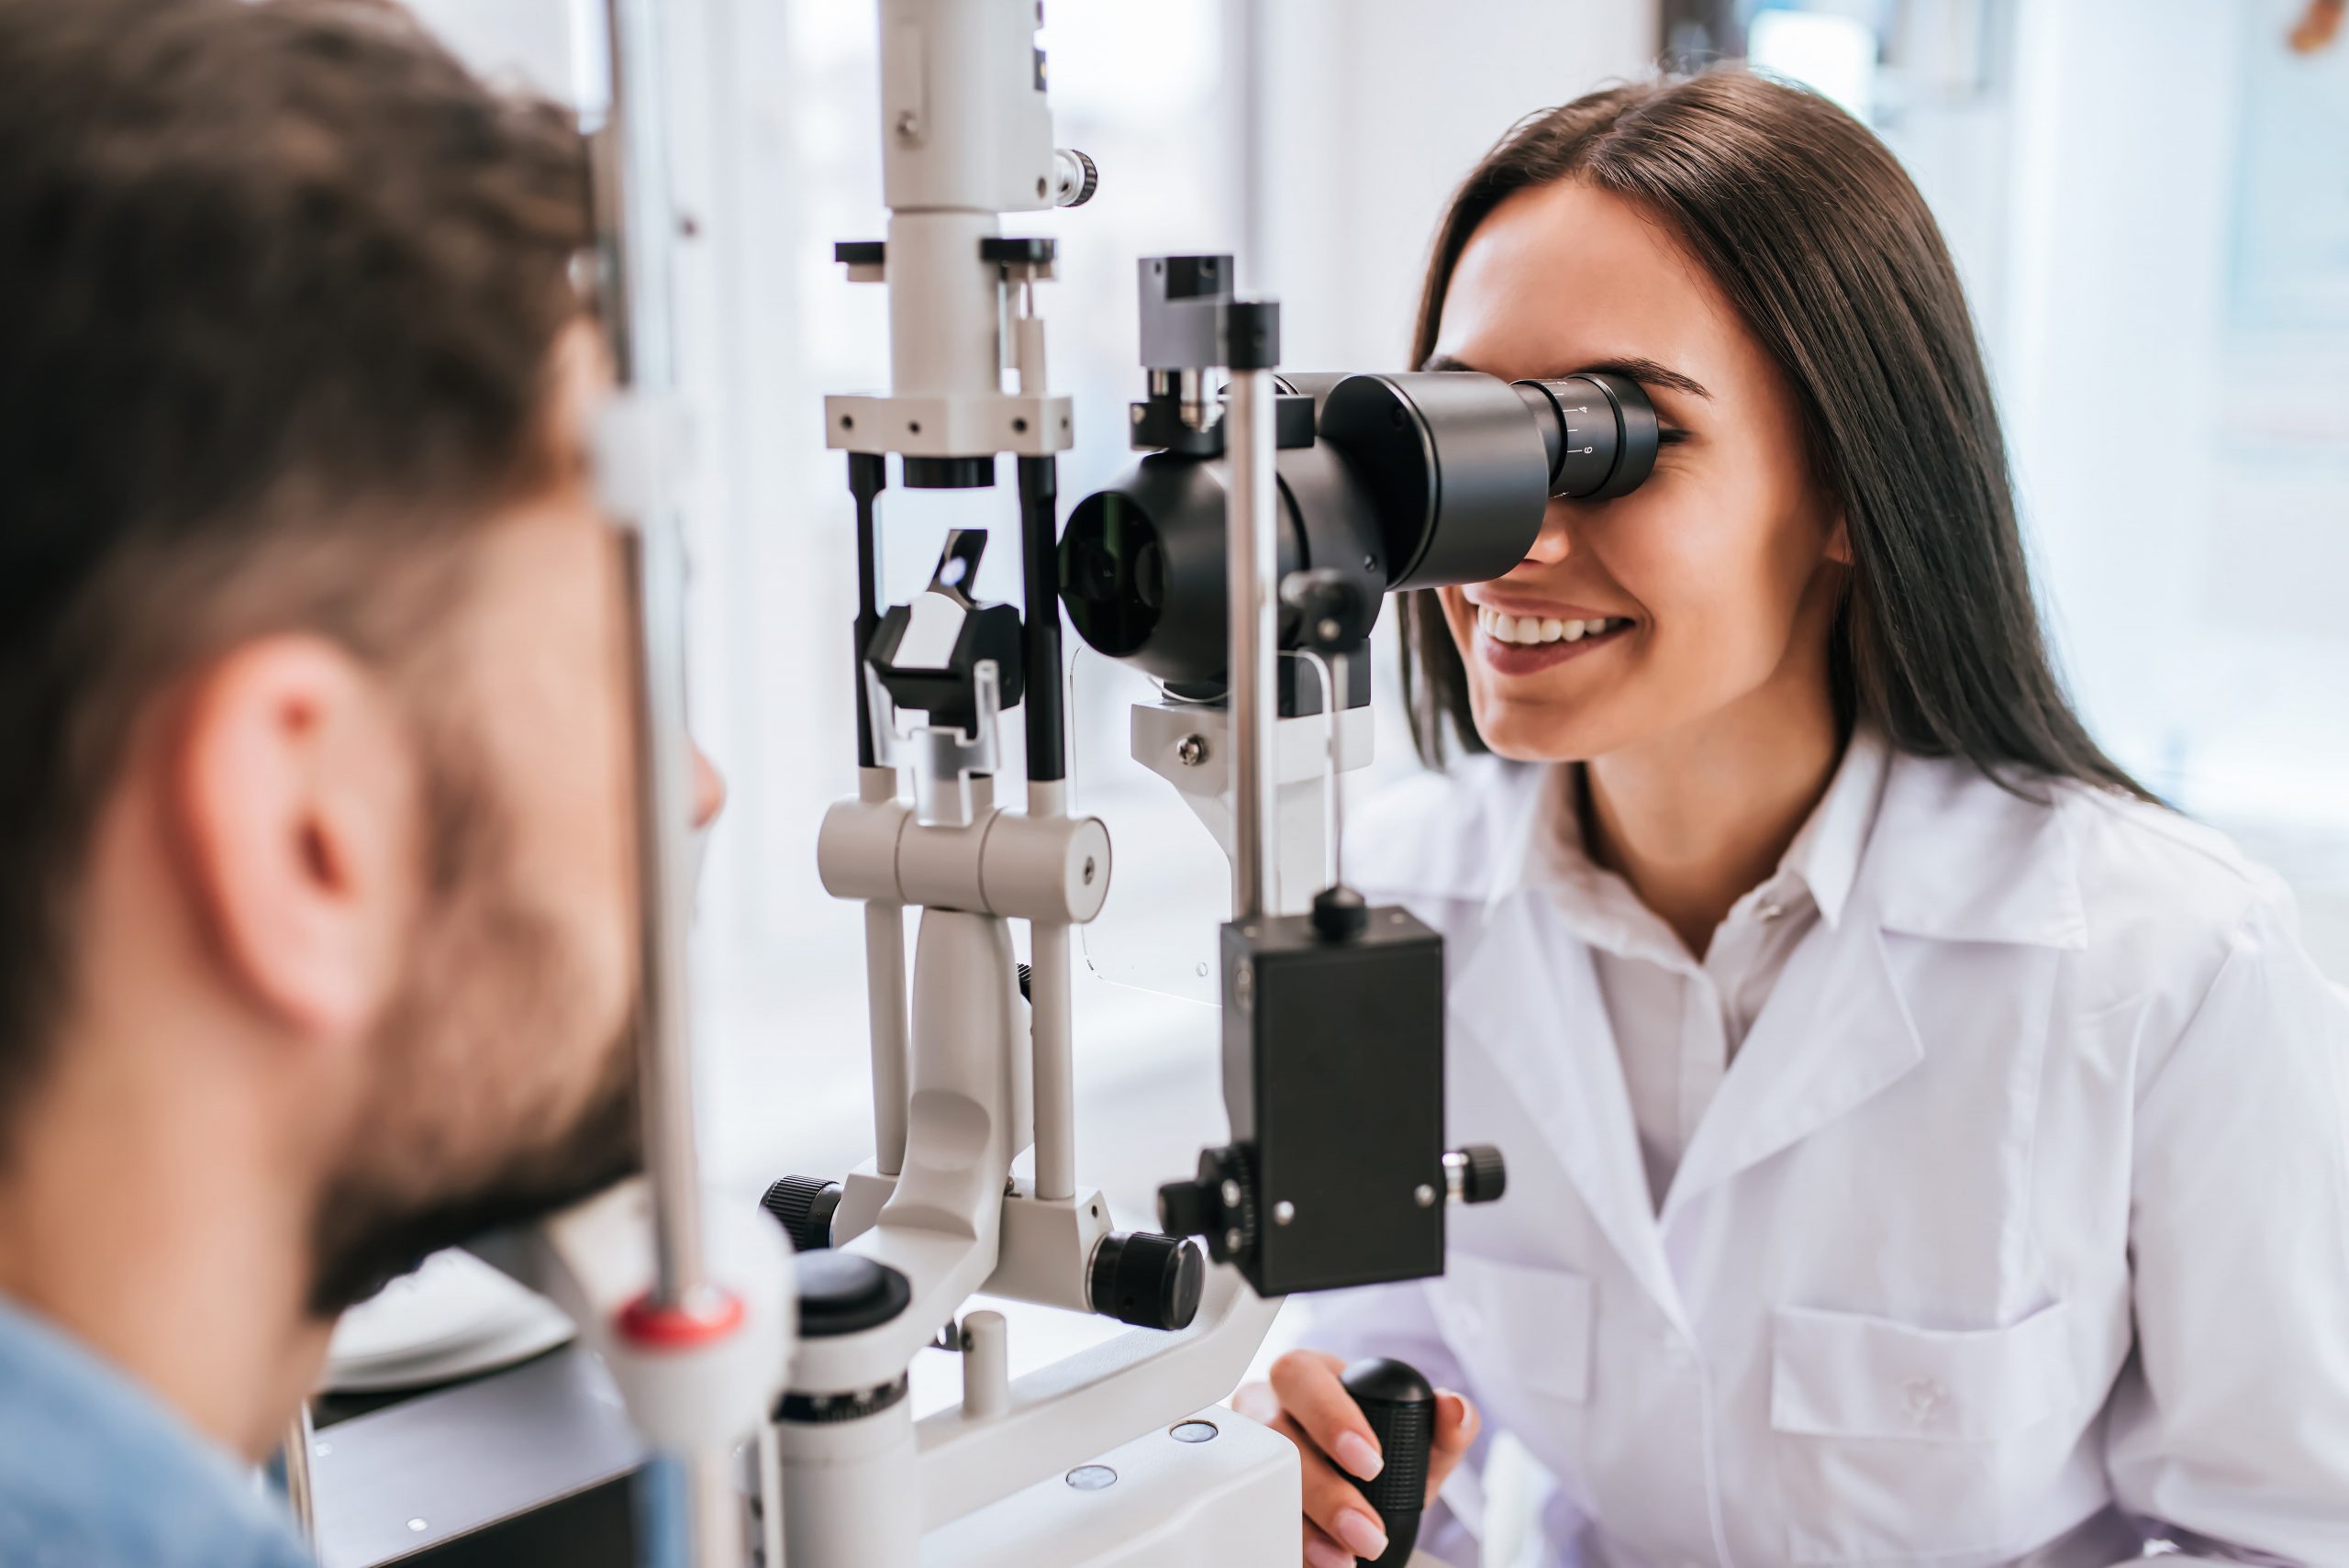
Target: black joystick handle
[(1400, 1407)]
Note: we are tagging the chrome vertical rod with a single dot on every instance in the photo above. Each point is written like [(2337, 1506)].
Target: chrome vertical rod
[(1253, 568), (636, 225)]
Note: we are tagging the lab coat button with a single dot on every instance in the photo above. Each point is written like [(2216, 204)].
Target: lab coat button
[(1926, 1400)]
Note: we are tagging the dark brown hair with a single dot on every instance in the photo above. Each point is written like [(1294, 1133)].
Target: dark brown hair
[(1808, 225), (284, 283)]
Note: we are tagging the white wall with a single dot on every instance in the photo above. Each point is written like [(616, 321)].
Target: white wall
[(1372, 111)]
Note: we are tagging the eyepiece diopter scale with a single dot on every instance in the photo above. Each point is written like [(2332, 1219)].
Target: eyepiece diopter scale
[(1600, 430)]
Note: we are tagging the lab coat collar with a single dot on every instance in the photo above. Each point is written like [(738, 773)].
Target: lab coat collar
[(1956, 858), (1544, 848), (1827, 851), (1928, 846)]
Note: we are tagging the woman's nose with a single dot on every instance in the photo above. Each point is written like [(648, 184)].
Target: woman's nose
[(710, 789), (1551, 546)]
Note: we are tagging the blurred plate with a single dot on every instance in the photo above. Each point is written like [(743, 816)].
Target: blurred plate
[(454, 1318)]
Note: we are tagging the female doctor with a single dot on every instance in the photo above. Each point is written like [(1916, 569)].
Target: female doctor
[(1924, 1148)]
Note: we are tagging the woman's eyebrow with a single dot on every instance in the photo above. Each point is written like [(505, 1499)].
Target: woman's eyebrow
[(1646, 371)]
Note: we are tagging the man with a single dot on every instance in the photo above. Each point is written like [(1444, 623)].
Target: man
[(316, 907)]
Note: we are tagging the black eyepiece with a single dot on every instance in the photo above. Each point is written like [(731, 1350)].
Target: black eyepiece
[(1600, 430)]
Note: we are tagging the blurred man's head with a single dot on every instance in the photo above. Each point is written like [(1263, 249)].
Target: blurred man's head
[(315, 769)]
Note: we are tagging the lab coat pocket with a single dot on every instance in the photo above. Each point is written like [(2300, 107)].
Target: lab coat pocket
[(1895, 1442), (1518, 1328)]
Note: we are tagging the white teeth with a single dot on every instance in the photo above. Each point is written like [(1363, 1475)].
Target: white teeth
[(1534, 629)]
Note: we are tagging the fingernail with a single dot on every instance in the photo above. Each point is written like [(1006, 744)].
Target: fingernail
[(1362, 1535), (1360, 1456), (1321, 1555)]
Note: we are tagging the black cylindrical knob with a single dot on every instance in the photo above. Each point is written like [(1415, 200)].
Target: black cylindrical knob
[(1149, 1281), (1339, 915), (1486, 1176), (804, 1207), (1329, 614), (1400, 1407)]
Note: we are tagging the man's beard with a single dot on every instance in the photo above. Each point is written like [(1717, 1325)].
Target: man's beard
[(467, 1131)]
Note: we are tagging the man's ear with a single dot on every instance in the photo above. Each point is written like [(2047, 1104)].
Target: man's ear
[(291, 807)]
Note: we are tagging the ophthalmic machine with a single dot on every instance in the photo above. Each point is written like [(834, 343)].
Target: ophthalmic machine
[(1242, 565)]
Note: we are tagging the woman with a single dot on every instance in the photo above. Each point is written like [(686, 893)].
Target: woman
[(1924, 1146)]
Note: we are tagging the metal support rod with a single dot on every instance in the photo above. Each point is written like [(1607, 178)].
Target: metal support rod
[(1331, 672), (636, 223), (294, 1457), (885, 983), (1252, 567), (1051, 1029), (868, 476), (636, 236), (1040, 561)]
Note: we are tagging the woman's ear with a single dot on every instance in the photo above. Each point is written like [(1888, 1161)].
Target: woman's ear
[(1839, 541), (289, 797)]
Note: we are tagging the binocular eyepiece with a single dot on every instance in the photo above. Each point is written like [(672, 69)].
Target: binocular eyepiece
[(1414, 480)]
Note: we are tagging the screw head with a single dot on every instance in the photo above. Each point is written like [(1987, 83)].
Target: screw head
[(1231, 1239), (1424, 1196), (1231, 1194), (1283, 1212), (1191, 751)]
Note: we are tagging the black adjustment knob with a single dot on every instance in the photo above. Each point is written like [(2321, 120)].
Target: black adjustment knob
[(1149, 1281), (1339, 915), (1088, 178), (1220, 1204), (1400, 1407), (1329, 615), (1485, 1176), (804, 1207)]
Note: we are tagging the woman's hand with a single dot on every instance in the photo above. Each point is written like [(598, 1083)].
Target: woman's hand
[(1306, 1403)]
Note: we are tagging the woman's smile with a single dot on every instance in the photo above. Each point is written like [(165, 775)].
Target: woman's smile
[(1524, 637)]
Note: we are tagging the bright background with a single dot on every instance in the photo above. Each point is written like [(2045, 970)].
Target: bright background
[(2148, 200)]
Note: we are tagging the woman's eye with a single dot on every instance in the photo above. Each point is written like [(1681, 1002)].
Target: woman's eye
[(1667, 436)]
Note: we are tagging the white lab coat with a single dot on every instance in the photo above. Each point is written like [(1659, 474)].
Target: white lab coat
[(2021, 1214)]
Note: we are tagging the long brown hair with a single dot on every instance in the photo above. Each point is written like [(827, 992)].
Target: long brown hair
[(1808, 225)]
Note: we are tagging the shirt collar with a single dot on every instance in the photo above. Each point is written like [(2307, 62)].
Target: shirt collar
[(73, 1430), (1548, 854)]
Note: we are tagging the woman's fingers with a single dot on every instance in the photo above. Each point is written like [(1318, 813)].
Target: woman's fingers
[(1456, 1426), (1307, 1403), (1309, 1388), (1333, 1504), (1320, 1552)]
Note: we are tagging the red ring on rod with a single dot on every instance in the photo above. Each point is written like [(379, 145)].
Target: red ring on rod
[(645, 1322)]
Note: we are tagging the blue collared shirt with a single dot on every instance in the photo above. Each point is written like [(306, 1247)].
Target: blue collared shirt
[(96, 1473)]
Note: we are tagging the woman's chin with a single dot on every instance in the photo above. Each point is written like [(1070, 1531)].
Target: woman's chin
[(1519, 735)]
